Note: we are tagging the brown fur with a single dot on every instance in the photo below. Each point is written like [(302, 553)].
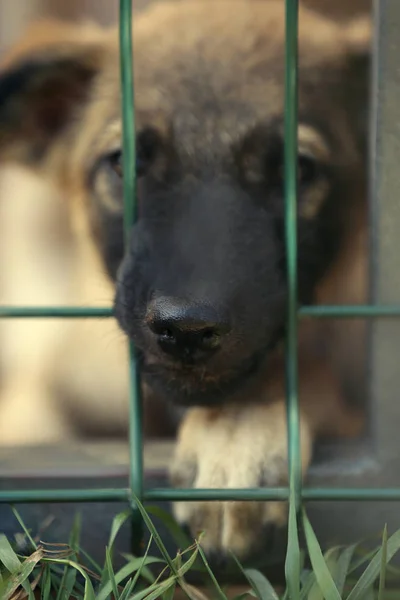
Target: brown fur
[(246, 445)]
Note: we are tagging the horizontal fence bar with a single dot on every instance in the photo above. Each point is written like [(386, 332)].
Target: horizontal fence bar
[(190, 495), (78, 312), (348, 311), (352, 494), (86, 495)]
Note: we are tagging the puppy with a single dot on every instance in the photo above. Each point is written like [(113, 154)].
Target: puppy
[(201, 288)]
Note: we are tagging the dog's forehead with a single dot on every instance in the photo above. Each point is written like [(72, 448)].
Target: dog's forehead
[(208, 77), (248, 29), (185, 55)]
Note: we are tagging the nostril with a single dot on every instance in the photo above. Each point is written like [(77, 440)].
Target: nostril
[(210, 338), (165, 330), (159, 327), (185, 330), (166, 334), (209, 334)]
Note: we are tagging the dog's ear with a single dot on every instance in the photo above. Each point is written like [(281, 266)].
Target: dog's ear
[(44, 82)]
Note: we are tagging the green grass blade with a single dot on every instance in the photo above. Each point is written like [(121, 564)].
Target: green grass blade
[(56, 579), (292, 562), (128, 590), (16, 569), (117, 523), (343, 567), (177, 561), (372, 571), (192, 592), (69, 575), (46, 583), (170, 593), (74, 545), (154, 533), (382, 577), (219, 591), (143, 570), (307, 585), (260, 585), (183, 569), (20, 577), (95, 566), (75, 536), (163, 588), (7, 555), (23, 526), (135, 566), (253, 580), (67, 583), (155, 590), (392, 573), (322, 574), (89, 591), (111, 575), (331, 560), (28, 592), (245, 595), (357, 564), (182, 540)]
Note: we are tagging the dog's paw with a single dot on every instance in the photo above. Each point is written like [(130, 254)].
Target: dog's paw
[(234, 447)]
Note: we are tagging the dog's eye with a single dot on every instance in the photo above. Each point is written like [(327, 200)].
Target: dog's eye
[(147, 146), (307, 169), (116, 164)]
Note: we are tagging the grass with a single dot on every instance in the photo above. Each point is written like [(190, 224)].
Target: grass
[(65, 571)]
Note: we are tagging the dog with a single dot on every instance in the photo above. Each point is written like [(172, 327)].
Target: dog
[(201, 288)]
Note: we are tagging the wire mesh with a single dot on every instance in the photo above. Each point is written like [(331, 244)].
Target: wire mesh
[(294, 313)]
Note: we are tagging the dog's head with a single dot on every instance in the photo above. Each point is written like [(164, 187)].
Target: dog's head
[(201, 289)]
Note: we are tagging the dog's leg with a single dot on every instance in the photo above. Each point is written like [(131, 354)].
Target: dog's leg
[(245, 446)]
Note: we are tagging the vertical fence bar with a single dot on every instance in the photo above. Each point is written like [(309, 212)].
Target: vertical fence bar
[(292, 566), (130, 214), (291, 60)]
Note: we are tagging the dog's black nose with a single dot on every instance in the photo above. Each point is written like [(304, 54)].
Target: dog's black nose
[(186, 331)]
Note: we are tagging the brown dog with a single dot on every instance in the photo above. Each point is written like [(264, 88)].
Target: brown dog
[(201, 289)]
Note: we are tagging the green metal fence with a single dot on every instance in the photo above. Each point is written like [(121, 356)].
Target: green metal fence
[(295, 492)]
